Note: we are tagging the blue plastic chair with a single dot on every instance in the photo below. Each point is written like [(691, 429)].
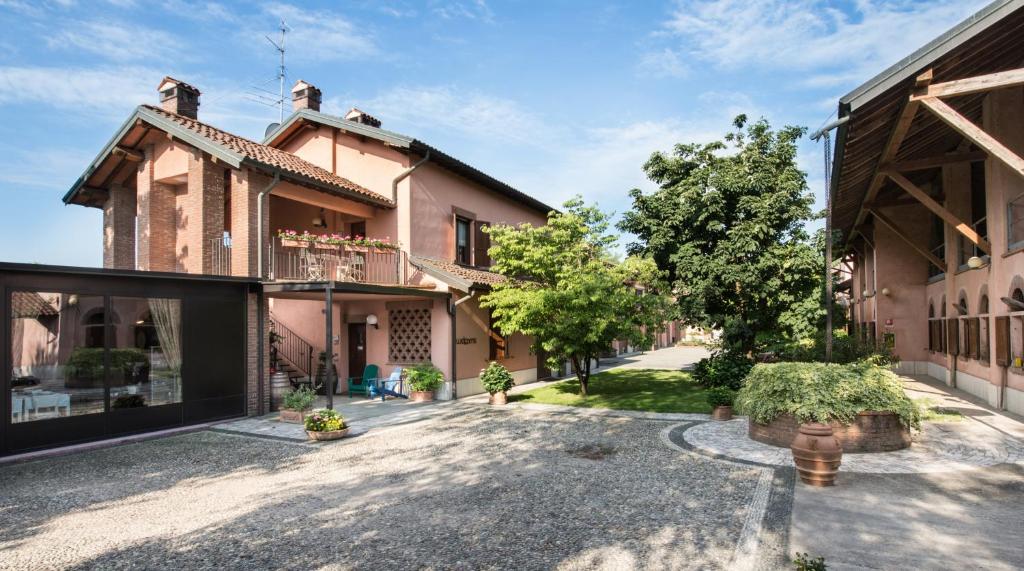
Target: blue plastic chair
[(364, 385), (391, 386)]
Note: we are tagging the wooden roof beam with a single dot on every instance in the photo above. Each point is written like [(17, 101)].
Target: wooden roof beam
[(981, 83), (935, 260), (937, 161), (976, 134), (940, 211)]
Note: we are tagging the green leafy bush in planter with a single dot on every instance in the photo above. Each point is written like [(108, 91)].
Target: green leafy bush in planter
[(496, 378), (128, 401), (845, 349), (723, 369), (301, 398), (326, 420), (425, 377), (824, 392), (721, 396)]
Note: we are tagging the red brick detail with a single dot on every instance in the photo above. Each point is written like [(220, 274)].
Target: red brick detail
[(119, 229), (203, 212), (156, 227), (245, 188), (254, 380), (869, 432)]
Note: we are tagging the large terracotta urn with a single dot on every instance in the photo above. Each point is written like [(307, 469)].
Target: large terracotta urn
[(817, 454)]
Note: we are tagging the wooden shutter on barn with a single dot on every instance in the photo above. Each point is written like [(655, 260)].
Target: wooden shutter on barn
[(952, 336), (974, 337), (1003, 341), (482, 242)]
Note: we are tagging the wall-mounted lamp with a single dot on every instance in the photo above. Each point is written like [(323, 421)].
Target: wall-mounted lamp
[(975, 262), (372, 320), (868, 294), (885, 291), (319, 221)]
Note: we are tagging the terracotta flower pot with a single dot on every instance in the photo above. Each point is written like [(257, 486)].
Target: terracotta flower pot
[(291, 243), (817, 454), (327, 434), (421, 396), (722, 413), (499, 398), (295, 416)]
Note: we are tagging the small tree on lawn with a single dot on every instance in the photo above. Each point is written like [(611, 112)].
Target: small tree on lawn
[(564, 289)]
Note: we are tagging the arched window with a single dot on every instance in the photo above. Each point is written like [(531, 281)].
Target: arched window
[(942, 307), (94, 329), (962, 305), (1018, 295), (931, 309), (983, 304), (145, 332)]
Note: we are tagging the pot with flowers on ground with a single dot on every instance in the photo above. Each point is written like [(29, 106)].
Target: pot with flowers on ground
[(721, 399), (325, 424), (424, 379), (296, 403), (497, 381)]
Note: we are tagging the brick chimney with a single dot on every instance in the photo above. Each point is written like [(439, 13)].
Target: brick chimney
[(179, 97), (362, 117), (305, 96)]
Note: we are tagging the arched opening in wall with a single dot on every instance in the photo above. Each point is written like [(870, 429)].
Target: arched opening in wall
[(933, 337), (942, 307), (145, 332), (1012, 327), (93, 324), (967, 340), (980, 327)]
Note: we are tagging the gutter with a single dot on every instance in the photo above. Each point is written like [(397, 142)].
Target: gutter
[(259, 222), (404, 174), (452, 311)]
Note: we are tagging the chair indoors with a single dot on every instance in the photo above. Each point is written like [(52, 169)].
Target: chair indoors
[(362, 385)]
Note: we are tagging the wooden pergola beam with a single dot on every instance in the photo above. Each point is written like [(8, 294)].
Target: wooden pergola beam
[(967, 86), (940, 211), (937, 161), (976, 134), (938, 263)]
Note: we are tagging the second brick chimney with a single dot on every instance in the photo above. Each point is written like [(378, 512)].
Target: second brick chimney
[(179, 97), (305, 96)]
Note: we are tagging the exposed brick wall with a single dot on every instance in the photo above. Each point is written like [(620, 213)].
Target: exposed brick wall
[(155, 210), (869, 432), (254, 378), (119, 229), (203, 214), (245, 188)]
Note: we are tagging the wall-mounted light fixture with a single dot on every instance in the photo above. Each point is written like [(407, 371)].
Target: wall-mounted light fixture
[(886, 292), (372, 320), (975, 262)]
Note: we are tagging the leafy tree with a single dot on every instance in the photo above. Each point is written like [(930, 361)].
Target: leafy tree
[(566, 292), (726, 223)]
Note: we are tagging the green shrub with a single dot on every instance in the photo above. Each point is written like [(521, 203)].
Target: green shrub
[(128, 401), (824, 392), (496, 378), (301, 398), (845, 349), (723, 369), (721, 396), (425, 377), (804, 562), (88, 361), (324, 421)]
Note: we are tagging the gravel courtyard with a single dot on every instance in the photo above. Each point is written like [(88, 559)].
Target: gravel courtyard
[(471, 489)]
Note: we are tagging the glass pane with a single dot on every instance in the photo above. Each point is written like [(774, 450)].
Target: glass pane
[(56, 355), (462, 241), (145, 356)]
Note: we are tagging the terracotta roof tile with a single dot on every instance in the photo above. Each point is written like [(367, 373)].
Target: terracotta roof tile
[(29, 304), (474, 276), (272, 157)]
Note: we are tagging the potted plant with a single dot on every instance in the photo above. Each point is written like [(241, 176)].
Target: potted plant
[(721, 399), (296, 403), (497, 381), (325, 424), (424, 379)]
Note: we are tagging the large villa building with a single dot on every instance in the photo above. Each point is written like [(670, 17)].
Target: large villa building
[(928, 196)]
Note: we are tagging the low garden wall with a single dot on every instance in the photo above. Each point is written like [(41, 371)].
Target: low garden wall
[(869, 432)]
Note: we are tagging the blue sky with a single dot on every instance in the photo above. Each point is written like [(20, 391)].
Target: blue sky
[(556, 98)]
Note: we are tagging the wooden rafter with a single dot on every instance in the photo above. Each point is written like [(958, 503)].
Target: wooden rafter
[(998, 80), (940, 211), (935, 260), (975, 133), (937, 161)]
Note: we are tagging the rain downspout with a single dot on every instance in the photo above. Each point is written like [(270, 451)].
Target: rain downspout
[(259, 222), (402, 176)]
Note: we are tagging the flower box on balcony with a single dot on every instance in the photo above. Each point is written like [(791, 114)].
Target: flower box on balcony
[(294, 243)]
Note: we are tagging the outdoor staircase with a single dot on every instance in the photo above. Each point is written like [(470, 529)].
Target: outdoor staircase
[(294, 355)]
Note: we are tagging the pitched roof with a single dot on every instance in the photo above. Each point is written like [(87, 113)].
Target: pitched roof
[(235, 151), (29, 304), (455, 275), (408, 143), (268, 155)]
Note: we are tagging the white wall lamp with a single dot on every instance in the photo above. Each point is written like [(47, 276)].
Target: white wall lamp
[(372, 320), (886, 292), (976, 262)]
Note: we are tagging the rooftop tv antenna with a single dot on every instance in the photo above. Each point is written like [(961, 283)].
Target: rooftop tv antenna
[(279, 98)]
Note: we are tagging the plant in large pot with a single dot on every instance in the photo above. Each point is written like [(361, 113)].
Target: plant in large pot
[(325, 424), (497, 381), (721, 399), (296, 403), (424, 379)]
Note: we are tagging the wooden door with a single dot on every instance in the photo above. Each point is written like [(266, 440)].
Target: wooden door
[(356, 349)]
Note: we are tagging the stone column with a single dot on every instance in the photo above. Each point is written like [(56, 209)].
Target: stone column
[(119, 229), (246, 185), (203, 211)]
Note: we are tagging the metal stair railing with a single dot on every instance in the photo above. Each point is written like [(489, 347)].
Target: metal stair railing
[(293, 349)]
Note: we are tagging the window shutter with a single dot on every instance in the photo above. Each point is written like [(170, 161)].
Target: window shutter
[(931, 336), (952, 336), (974, 336), (481, 242), (1003, 341)]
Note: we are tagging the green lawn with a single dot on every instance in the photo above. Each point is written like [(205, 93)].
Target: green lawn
[(626, 389)]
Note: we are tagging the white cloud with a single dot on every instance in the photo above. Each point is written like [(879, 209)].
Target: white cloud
[(662, 63), (105, 90), (320, 35), (471, 10), (811, 35), (115, 40)]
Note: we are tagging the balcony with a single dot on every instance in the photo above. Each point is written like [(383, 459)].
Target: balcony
[(290, 261)]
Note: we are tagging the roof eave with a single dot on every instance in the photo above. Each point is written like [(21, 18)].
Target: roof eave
[(310, 181), (451, 279)]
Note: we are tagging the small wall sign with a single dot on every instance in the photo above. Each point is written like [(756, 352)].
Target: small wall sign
[(466, 341)]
